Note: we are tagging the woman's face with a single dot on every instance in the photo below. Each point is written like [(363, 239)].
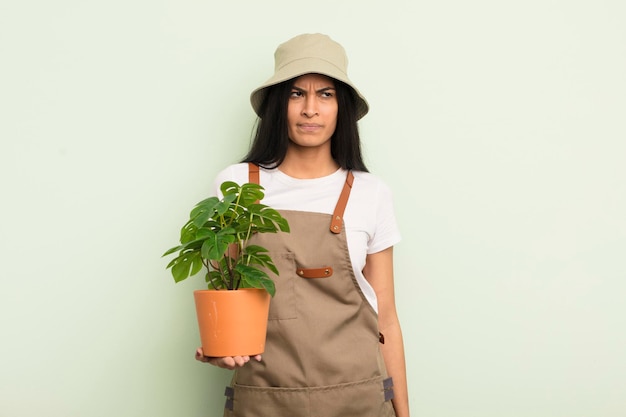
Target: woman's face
[(312, 111)]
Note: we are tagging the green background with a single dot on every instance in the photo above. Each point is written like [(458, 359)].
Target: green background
[(499, 126)]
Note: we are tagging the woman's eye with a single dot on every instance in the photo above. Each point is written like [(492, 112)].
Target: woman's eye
[(296, 93), (328, 94)]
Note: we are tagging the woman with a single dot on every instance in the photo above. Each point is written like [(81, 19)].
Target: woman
[(334, 345)]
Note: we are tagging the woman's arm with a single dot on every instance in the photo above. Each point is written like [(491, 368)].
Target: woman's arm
[(379, 273)]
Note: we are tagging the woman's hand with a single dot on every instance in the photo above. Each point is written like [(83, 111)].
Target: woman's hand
[(226, 362)]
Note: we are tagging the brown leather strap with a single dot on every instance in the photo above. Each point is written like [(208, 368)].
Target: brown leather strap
[(324, 272), (253, 173), (337, 220)]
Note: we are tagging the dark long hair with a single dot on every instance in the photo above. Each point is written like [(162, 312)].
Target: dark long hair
[(271, 137)]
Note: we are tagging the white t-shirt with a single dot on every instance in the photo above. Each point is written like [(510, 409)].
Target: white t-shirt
[(369, 216)]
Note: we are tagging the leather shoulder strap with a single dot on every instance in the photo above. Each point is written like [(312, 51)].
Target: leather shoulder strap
[(337, 220), (253, 173)]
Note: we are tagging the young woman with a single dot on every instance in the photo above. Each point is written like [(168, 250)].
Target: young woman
[(334, 345)]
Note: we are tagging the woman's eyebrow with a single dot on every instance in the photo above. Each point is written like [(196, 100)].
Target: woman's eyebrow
[(321, 90)]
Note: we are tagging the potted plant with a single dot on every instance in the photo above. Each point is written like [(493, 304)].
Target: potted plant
[(215, 239)]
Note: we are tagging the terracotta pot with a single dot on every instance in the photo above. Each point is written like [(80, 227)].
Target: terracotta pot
[(232, 323)]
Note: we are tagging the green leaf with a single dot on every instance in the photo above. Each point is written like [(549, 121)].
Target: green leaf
[(188, 232), (185, 265), (251, 193), (196, 265), (254, 249), (229, 188), (215, 245), (203, 211), (193, 245), (270, 218), (255, 278), (172, 250), (204, 233), (223, 206), (215, 224), (257, 255), (214, 280)]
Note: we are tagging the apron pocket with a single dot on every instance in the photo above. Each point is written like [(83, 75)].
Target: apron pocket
[(283, 304), (249, 401), (363, 399)]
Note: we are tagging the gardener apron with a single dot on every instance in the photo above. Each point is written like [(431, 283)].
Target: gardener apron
[(322, 355)]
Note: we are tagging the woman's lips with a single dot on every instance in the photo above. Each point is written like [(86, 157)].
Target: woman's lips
[(309, 127)]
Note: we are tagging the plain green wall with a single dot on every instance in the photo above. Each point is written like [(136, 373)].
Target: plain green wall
[(499, 125)]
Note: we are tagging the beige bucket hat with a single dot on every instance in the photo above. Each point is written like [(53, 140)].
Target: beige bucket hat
[(306, 54)]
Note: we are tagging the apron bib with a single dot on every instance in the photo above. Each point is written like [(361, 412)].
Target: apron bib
[(322, 355)]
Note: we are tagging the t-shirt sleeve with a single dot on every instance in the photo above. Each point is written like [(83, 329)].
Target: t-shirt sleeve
[(387, 232), (237, 173)]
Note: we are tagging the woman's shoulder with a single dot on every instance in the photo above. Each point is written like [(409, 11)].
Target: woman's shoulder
[(367, 176), (233, 169), (235, 172), (366, 181)]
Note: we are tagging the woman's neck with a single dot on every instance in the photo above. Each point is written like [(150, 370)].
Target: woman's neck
[(308, 165)]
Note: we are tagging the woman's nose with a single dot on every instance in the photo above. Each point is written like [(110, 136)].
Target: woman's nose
[(310, 106)]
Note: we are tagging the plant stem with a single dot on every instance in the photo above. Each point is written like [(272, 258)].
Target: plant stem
[(227, 271), (234, 281), (248, 234), (207, 264)]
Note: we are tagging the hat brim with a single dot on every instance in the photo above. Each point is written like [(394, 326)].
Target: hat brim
[(306, 66)]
